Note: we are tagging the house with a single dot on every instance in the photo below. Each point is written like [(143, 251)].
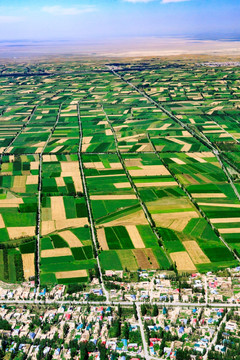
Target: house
[(220, 348)]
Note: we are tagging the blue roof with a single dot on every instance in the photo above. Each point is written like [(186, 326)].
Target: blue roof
[(124, 341)]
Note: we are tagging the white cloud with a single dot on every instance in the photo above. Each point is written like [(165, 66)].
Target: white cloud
[(60, 10), (172, 1), (7, 19)]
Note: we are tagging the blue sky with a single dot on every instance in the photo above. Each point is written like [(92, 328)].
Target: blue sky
[(90, 19)]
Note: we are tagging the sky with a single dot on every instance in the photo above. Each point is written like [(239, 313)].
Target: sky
[(87, 20)]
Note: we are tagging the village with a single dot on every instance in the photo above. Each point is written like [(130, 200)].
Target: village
[(197, 314), (143, 286)]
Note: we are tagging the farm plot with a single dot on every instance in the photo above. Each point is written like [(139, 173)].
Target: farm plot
[(97, 135), (135, 247), (195, 168), (12, 121), (67, 256), (61, 175), (65, 138), (147, 171), (18, 215), (35, 135), (62, 212), (111, 194)]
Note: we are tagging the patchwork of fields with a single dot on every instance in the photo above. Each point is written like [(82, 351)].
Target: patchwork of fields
[(117, 169)]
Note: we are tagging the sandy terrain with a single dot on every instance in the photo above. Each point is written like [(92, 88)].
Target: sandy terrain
[(102, 239), (135, 236), (70, 238), (183, 261), (71, 274), (132, 47), (196, 252), (28, 265), (56, 252)]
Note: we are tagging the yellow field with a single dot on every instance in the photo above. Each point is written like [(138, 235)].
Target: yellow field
[(209, 195), (175, 221), (19, 183), (137, 218), (57, 207), (229, 231), (196, 252), (2, 225), (102, 239), (28, 265), (71, 274), (183, 261), (60, 181), (32, 180), (158, 184), (150, 170), (70, 238), (113, 197), (135, 236), (237, 206), (18, 232), (56, 252), (225, 220), (50, 226), (123, 185), (14, 202)]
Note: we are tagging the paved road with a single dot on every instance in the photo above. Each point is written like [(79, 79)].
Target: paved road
[(122, 303), (145, 345)]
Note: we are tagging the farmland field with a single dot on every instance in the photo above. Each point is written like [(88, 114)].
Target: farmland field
[(138, 169)]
